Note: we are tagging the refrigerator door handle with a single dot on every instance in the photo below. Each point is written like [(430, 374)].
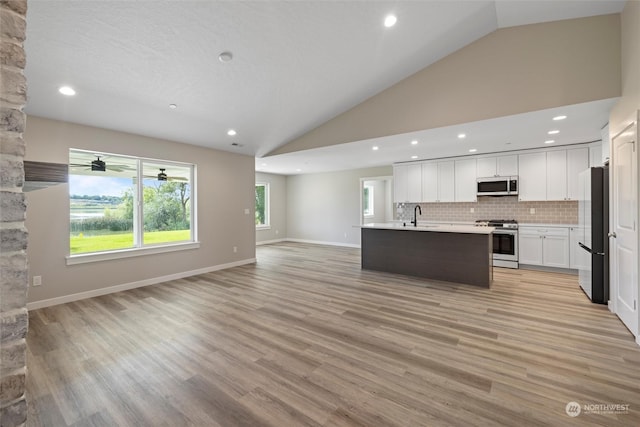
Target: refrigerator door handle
[(583, 246), (612, 234)]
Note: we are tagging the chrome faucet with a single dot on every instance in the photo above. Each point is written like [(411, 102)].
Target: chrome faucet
[(415, 216)]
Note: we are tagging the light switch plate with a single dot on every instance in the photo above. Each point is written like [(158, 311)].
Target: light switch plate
[(532, 211), (246, 211)]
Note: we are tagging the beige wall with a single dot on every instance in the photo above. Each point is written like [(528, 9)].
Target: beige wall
[(510, 71), (630, 101), (325, 207), (225, 187), (278, 207)]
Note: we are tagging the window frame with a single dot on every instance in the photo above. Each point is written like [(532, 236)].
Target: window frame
[(267, 206), (139, 247)]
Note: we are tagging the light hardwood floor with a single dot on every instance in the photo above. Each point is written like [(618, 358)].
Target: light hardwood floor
[(306, 338)]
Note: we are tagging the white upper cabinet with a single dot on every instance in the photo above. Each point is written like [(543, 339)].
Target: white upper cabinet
[(414, 185), (446, 181), (606, 143), (595, 155), (465, 180), (430, 182), (577, 161), (532, 171), (407, 183), (552, 175), (497, 166), (438, 181), (557, 175)]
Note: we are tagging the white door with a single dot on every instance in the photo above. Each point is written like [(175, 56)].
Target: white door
[(400, 183), (557, 175), (624, 246), (430, 182), (533, 172), (414, 183)]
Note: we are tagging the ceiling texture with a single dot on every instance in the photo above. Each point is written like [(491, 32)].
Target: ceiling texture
[(295, 65)]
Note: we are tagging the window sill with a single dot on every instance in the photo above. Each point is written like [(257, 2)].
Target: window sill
[(263, 227), (128, 253)]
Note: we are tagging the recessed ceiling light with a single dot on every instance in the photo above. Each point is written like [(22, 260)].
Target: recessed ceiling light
[(549, 141), (556, 118), (375, 148), (414, 157), (173, 106), (473, 150), (390, 21), (414, 142), (225, 57), (264, 164), (553, 132), (67, 90), (298, 170), (231, 132), (462, 135)]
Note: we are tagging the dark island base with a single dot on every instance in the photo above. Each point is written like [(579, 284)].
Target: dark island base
[(451, 257)]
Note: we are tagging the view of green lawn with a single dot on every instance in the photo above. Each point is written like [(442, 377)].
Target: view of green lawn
[(81, 243)]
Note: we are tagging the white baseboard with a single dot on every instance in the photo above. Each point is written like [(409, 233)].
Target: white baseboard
[(268, 242), (321, 242), (126, 286)]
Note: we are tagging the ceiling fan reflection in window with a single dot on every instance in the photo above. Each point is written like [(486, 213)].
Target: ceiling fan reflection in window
[(100, 165), (162, 176)]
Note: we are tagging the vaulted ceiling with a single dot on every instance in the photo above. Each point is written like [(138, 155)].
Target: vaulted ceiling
[(294, 65)]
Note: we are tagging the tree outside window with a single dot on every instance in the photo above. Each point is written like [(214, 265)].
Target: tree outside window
[(262, 205), (367, 201), (105, 215)]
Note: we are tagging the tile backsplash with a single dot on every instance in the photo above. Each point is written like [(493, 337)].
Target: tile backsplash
[(560, 212)]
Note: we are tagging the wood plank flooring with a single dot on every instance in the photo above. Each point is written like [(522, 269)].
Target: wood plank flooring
[(306, 338)]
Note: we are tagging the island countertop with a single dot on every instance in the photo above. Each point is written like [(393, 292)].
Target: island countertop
[(439, 228)]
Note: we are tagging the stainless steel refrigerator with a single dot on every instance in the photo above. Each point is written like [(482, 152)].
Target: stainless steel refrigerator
[(593, 217)]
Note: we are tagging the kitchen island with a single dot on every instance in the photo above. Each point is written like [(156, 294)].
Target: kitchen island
[(452, 253)]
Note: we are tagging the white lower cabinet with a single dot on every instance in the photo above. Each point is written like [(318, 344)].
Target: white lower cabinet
[(578, 257), (544, 246)]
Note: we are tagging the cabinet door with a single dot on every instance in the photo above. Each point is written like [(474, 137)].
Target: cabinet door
[(400, 182), (507, 165), (446, 182), (430, 182), (578, 257), (486, 167), (555, 249), (577, 161), (465, 180), (606, 143), (595, 155), (414, 184), (532, 173), (529, 248), (557, 175)]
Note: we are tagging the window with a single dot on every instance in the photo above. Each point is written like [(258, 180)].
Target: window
[(123, 203), (262, 205), (367, 201)]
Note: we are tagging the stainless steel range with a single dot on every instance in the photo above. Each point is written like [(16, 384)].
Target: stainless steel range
[(505, 241)]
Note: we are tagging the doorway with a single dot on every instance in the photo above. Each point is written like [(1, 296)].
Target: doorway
[(376, 199)]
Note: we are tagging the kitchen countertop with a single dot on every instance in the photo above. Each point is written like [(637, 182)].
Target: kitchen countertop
[(440, 228)]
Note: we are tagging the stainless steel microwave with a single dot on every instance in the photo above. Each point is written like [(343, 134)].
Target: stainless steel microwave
[(498, 186)]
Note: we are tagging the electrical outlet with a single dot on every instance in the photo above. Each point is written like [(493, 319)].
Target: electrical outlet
[(277, 231), (247, 211), (472, 210), (235, 249), (532, 211), (37, 280), (345, 235)]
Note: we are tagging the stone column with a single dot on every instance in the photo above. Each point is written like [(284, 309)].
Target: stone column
[(13, 235)]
